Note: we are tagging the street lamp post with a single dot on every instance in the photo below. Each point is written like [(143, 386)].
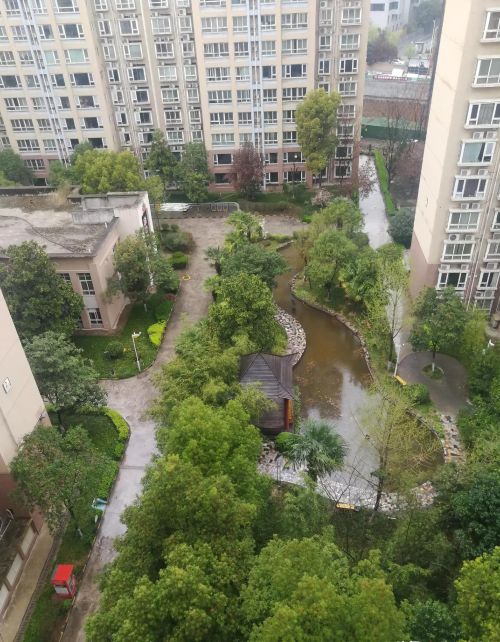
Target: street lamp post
[(398, 352), (136, 335)]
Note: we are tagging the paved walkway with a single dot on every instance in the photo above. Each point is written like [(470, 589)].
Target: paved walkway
[(373, 209), (133, 397)]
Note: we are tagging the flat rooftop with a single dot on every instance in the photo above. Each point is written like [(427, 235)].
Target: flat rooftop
[(41, 219)]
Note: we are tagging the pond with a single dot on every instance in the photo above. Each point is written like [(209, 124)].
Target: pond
[(332, 377)]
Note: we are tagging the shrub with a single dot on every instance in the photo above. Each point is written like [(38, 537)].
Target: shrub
[(114, 350), (122, 429), (155, 332), (418, 393), (177, 241), (307, 218), (401, 226), (110, 473), (162, 310), (279, 238), (383, 178), (178, 260)]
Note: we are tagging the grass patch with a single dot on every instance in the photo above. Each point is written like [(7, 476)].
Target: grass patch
[(436, 374), (384, 183), (101, 429), (139, 320)]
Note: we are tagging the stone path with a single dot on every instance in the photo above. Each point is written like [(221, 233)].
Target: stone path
[(295, 333), (133, 397)]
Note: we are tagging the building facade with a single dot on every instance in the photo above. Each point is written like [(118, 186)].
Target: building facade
[(222, 72), (391, 14), (456, 240)]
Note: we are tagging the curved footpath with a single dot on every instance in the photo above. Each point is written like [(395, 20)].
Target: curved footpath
[(133, 397)]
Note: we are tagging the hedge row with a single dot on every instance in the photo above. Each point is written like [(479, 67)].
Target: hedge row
[(384, 183)]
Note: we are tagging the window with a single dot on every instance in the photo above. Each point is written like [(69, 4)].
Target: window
[(57, 80), (28, 145), (294, 21), (324, 67), (164, 49), (240, 24), (86, 284), (377, 6), (222, 118), (219, 97), (74, 56), (216, 4), (351, 16), (49, 145), (197, 136), (45, 32), (496, 221), (484, 114), (214, 25), (457, 251), (123, 5), (243, 96), (223, 159), (161, 25), (167, 73), (268, 47), (348, 88), (476, 152), (12, 7), (86, 102), (493, 251), (16, 104), (488, 71), (132, 51), (66, 6), (268, 23), (272, 178), (222, 139), (348, 66), (325, 43), (195, 116), (488, 280), (245, 118), (19, 33), (170, 95), (109, 52), (81, 79), (22, 125), (185, 24), (159, 4), (294, 71), (26, 58), (91, 122), (69, 124), (70, 32), (270, 138), (294, 93), (95, 317), (294, 176), (245, 138), (452, 279), (221, 179), (101, 5), (289, 138), (269, 95), (492, 27), (460, 220), (326, 17), (10, 82), (35, 163), (345, 131), (6, 58), (346, 111), (121, 118), (32, 82), (469, 188), (172, 117), (217, 49), (289, 116), (271, 157), (44, 124), (295, 46), (104, 27), (130, 27), (240, 50), (193, 95), (242, 73), (270, 117), (293, 157), (343, 151), (140, 96), (349, 41), (51, 57), (215, 74)]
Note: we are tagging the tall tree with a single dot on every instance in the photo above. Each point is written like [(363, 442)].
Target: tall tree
[(37, 297), (161, 160), (440, 317), (63, 376), (100, 172), (340, 214), (192, 172), (329, 256), (316, 446), (59, 474), (247, 228), (247, 171), (251, 258), (244, 305), (13, 168), (316, 119)]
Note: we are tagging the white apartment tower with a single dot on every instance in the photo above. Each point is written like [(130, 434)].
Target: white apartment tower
[(456, 240), (222, 72)]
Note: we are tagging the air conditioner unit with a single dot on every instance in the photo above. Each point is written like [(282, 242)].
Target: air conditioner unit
[(464, 172), (464, 206), (323, 4), (496, 237), (181, 12), (477, 135), (482, 172), (464, 266), (491, 266), (453, 237), (468, 237), (491, 135)]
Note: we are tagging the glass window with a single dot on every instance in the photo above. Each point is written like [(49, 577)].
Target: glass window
[(86, 284), (268, 48), (452, 279), (476, 152), (492, 27), (484, 114), (488, 71), (294, 21), (95, 316), (457, 251), (469, 188)]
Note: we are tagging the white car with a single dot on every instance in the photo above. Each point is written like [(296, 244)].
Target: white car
[(397, 61)]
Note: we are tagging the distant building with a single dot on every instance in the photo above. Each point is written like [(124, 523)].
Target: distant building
[(391, 14), (272, 375), (21, 409), (80, 241)]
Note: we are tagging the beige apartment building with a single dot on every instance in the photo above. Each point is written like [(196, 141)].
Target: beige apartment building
[(80, 241), (21, 409), (456, 240), (222, 72)]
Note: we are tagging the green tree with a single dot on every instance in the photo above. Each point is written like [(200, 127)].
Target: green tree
[(100, 172), (254, 259), (192, 172), (63, 376), (478, 606), (247, 228), (38, 299), (359, 277), (330, 254), (161, 160), (401, 226), (425, 13), (431, 621), (316, 446), (59, 174), (380, 49), (59, 474), (5, 182), (215, 255), (244, 305), (316, 119), (439, 321), (13, 168), (247, 171), (341, 214), (155, 190)]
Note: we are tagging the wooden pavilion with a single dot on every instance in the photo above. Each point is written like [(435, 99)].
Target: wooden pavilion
[(272, 374)]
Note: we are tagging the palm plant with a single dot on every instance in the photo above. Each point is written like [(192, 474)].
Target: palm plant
[(316, 446)]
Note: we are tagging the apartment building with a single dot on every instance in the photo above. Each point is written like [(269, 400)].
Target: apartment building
[(222, 72), (80, 241), (456, 240), (391, 14)]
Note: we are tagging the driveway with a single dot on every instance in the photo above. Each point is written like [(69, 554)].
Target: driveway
[(133, 397)]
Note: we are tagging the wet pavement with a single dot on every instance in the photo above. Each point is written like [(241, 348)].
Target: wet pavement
[(373, 209)]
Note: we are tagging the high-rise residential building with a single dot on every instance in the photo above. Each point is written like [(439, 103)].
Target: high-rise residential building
[(222, 72), (456, 240)]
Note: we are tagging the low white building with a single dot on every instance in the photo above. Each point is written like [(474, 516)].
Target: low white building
[(392, 15)]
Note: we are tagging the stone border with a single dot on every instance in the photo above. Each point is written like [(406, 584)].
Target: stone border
[(295, 333)]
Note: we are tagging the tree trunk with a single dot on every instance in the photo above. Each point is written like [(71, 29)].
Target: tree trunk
[(60, 421), (391, 346), (434, 360), (380, 490)]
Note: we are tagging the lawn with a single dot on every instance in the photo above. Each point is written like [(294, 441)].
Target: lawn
[(139, 320)]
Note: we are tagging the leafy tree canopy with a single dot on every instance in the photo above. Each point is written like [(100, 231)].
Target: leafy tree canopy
[(192, 172), (37, 297), (254, 259), (13, 169), (100, 172), (247, 171), (161, 161), (401, 226)]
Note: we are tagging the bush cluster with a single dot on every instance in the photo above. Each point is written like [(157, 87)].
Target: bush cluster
[(384, 183)]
